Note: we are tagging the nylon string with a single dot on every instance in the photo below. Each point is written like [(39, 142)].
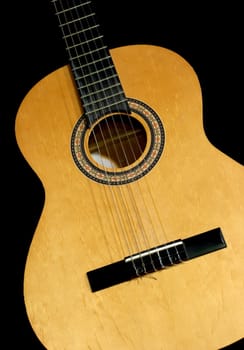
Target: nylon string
[(123, 222)]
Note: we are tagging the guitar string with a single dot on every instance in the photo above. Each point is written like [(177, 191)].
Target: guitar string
[(63, 11), (116, 192), (113, 192), (153, 202), (142, 229), (129, 221), (104, 188), (132, 197)]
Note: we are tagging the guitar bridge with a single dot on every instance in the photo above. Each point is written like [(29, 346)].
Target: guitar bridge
[(155, 259)]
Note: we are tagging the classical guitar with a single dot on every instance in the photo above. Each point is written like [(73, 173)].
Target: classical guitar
[(140, 242)]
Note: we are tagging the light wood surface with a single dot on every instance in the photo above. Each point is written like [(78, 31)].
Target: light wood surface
[(193, 188)]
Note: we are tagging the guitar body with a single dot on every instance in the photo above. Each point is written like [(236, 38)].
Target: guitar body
[(192, 188)]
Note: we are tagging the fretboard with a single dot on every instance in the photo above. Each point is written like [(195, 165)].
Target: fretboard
[(95, 75)]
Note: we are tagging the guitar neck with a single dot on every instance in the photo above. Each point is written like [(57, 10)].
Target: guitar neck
[(96, 78)]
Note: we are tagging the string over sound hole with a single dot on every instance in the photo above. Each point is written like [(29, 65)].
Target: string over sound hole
[(117, 141)]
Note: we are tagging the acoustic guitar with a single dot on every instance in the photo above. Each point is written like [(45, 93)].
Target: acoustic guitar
[(140, 242)]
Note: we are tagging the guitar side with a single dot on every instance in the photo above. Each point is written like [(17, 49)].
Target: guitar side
[(194, 187)]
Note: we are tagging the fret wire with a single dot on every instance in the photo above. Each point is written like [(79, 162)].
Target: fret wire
[(76, 20), (91, 52), (97, 81), (107, 106), (99, 91), (88, 41), (104, 98), (85, 42), (73, 8), (96, 61), (81, 31), (87, 53)]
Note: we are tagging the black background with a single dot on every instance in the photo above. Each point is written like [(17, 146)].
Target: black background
[(209, 38)]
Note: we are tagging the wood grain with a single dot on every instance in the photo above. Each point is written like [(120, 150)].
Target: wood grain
[(193, 188)]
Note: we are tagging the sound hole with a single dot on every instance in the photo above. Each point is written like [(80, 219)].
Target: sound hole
[(117, 141)]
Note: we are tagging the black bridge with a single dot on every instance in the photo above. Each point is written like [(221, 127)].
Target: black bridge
[(155, 259)]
